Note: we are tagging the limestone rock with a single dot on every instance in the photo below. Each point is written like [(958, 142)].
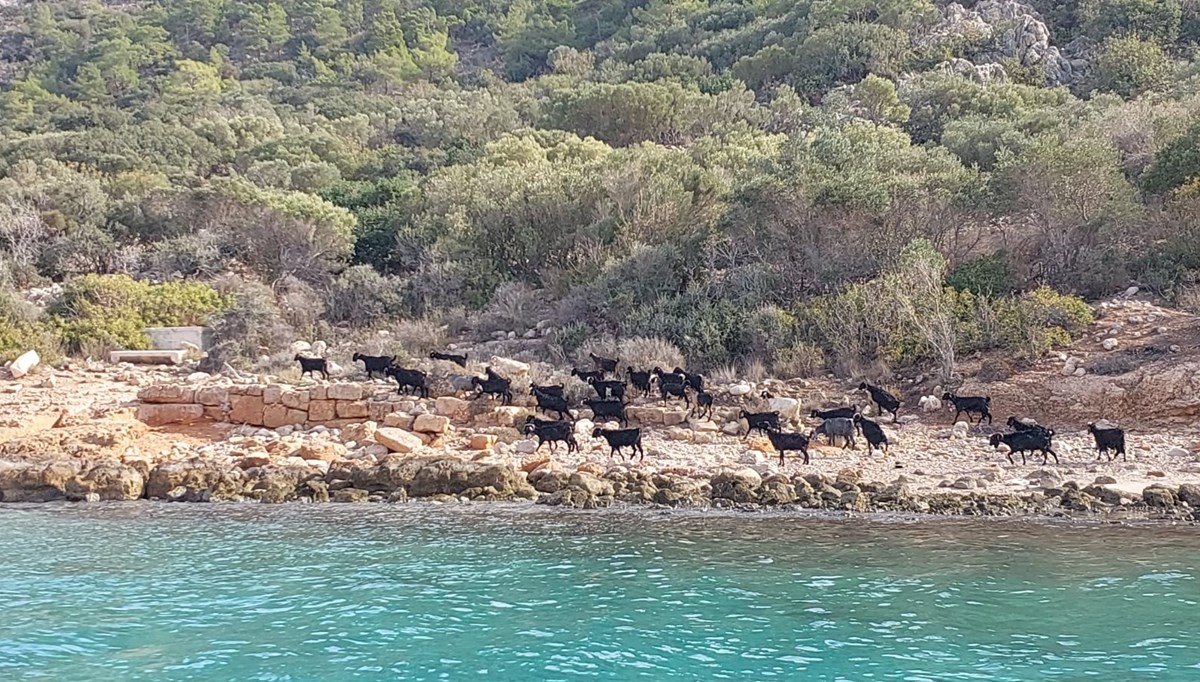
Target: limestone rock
[(508, 368), (167, 394), (363, 432), (1159, 496), (158, 415), (740, 389), (482, 441), (345, 392), (454, 408), (107, 481), (324, 451), (431, 423), (398, 440)]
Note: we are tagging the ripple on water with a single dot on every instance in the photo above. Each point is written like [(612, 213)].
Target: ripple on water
[(331, 593)]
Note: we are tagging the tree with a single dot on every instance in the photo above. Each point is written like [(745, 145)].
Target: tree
[(1175, 164), (1156, 20), (1128, 66), (277, 232)]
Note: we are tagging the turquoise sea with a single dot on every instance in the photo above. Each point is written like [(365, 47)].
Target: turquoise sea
[(495, 592)]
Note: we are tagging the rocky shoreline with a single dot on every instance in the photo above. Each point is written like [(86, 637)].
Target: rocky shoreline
[(455, 480)]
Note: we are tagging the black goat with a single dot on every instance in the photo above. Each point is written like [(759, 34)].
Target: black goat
[(608, 388), (970, 404), (873, 432), (554, 389), (704, 403), (552, 433), (886, 402), (311, 365), (835, 413), (622, 438), (789, 441), (696, 381), (834, 428), (609, 408), (548, 402), (639, 380), (460, 360), (375, 363), (1023, 442), (493, 384), (606, 365), (587, 377), (762, 422), (1029, 425), (1108, 439), (670, 384), (409, 378)]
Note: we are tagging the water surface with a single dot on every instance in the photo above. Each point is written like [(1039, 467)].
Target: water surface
[(414, 592)]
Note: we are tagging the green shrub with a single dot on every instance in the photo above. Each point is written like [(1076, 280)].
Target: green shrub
[(21, 331), (111, 311), (988, 275), (707, 330), (1031, 325), (361, 297)]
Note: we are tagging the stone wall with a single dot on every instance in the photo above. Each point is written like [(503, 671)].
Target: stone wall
[(270, 405)]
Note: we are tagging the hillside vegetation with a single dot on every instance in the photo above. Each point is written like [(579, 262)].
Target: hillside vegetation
[(859, 184)]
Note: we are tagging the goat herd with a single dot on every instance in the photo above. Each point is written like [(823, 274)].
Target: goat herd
[(837, 424)]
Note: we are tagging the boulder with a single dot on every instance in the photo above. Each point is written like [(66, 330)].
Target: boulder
[(431, 423), (451, 476), (107, 481), (738, 485), (1110, 343), (1178, 452), (362, 432), (401, 420), (1159, 496), (1189, 493), (215, 482), (960, 430), (326, 451), (349, 495), (398, 440), (24, 364), (509, 368), (454, 408), (930, 403), (592, 485), (740, 389)]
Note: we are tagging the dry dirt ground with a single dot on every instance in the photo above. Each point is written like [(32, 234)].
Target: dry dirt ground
[(1150, 385)]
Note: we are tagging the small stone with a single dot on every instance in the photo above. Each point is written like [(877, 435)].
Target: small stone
[(740, 389), (1110, 343), (1104, 480), (1155, 474), (525, 447), (1177, 452), (482, 441)]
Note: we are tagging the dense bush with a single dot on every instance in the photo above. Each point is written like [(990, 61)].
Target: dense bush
[(737, 178), (100, 312)]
